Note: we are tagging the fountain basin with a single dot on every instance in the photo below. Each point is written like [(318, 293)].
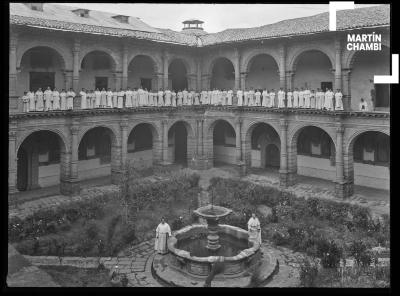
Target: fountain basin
[(212, 212), (196, 266)]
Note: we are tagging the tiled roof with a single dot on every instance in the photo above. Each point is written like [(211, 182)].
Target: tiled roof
[(58, 17)]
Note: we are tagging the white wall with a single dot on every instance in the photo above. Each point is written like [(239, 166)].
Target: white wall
[(371, 176), (49, 175), (263, 73), (313, 67), (91, 168), (255, 158)]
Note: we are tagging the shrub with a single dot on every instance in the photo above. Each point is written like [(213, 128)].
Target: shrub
[(359, 250), (308, 273), (91, 230)]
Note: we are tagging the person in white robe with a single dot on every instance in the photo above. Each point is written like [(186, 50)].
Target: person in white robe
[(254, 229), (245, 97), (258, 98), (103, 98), (160, 97), (224, 97), (251, 98), (56, 99), (229, 96), (89, 99), (185, 97), (328, 100), (196, 98), (163, 232), (63, 100), (209, 97), (239, 95), (114, 98), (167, 97), (338, 100), (289, 98), (363, 106), (109, 98), (48, 99), (281, 98), (146, 97), (121, 95), (83, 95), (39, 100), (135, 98), (296, 98), (301, 98), (312, 99), (265, 98), (272, 99), (318, 99), (97, 96), (179, 98), (25, 102), (173, 98), (70, 99), (31, 97), (93, 100), (203, 97), (152, 98), (307, 103), (190, 98)]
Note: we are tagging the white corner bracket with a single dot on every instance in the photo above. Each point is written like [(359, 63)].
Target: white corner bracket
[(333, 7), (390, 79)]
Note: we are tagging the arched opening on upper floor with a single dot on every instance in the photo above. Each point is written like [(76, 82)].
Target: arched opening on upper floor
[(177, 73), (97, 71), (224, 143), (222, 74), (263, 72), (96, 153), (41, 67), (313, 70), (365, 65), (41, 160), (141, 72)]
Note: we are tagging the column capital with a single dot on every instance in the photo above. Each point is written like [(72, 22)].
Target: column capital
[(346, 71), (74, 129), (283, 123), (13, 40), (164, 122), (238, 121), (12, 134), (338, 43), (124, 125)]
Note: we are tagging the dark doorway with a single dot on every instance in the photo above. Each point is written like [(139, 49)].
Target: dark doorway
[(382, 95), (41, 79), (101, 82), (325, 85), (22, 170), (272, 156), (180, 143), (145, 83), (177, 72)]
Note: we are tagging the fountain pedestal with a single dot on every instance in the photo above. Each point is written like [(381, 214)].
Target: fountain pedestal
[(212, 237)]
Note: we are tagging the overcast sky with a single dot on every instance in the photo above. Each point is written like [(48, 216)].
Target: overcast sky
[(216, 17)]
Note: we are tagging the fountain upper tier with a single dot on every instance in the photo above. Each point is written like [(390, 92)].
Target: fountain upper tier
[(212, 212)]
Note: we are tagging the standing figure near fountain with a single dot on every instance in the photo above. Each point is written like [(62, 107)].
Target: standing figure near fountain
[(163, 231), (254, 229)]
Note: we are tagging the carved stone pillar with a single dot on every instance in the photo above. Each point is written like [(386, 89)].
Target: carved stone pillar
[(338, 64), (12, 76), (165, 68), (69, 184), (237, 69), (124, 66), (346, 89), (289, 79), (242, 167), (283, 171), (165, 142), (75, 71), (340, 186), (243, 80), (12, 160), (124, 143), (282, 66)]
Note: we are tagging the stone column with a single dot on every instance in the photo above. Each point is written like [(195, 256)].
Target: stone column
[(346, 89), (124, 66), (68, 74), (160, 78), (282, 66), (338, 64), (237, 69), (239, 151), (198, 77), (243, 80), (289, 79), (12, 76), (76, 66), (124, 143), (165, 142), (12, 160), (117, 79), (206, 81), (165, 68), (340, 187), (70, 185), (283, 171)]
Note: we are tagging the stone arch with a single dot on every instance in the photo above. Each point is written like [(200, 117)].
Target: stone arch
[(294, 57), (189, 142), (257, 52), (351, 56), (60, 133), (188, 125), (248, 132), (64, 55), (189, 65), (30, 174), (215, 59), (211, 124), (351, 138), (114, 135), (157, 64), (114, 58)]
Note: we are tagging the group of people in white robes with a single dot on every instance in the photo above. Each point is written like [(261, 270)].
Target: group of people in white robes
[(48, 100)]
